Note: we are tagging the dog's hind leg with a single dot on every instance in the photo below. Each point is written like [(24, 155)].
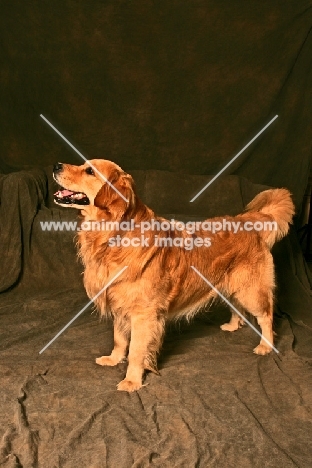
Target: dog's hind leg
[(259, 302), (121, 343), (236, 320), (147, 330)]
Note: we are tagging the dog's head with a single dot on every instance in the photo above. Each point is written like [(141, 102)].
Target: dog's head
[(99, 184)]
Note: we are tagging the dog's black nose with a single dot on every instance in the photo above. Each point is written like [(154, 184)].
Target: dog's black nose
[(57, 167)]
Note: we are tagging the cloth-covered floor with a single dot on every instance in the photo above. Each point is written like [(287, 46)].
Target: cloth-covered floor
[(215, 403)]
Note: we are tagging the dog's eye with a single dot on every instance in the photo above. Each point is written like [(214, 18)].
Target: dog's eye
[(89, 171)]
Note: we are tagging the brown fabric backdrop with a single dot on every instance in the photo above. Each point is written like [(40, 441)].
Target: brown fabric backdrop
[(179, 85)]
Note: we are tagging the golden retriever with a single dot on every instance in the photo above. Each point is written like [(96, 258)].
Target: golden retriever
[(159, 283)]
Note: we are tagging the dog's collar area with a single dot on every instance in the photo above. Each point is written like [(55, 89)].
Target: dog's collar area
[(69, 197)]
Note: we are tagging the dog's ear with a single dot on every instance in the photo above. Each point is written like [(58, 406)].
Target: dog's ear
[(111, 201)]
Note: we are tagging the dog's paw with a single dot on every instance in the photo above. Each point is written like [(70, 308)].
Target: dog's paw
[(262, 349), (129, 386), (229, 327), (106, 361)]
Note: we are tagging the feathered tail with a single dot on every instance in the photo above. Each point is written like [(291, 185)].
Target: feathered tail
[(276, 205)]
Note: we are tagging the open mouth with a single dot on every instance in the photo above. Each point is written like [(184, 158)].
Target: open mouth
[(68, 197)]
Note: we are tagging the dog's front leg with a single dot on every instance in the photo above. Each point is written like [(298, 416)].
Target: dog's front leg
[(121, 343), (146, 338)]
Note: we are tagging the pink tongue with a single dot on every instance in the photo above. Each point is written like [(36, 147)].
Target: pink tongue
[(65, 193)]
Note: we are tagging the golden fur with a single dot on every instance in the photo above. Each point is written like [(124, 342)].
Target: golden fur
[(159, 283)]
